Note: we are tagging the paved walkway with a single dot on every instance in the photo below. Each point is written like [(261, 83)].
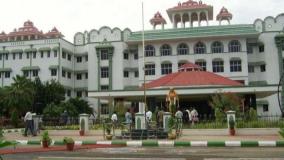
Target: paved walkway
[(265, 134)]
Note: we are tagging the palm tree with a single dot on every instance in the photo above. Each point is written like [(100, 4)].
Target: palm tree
[(20, 95)]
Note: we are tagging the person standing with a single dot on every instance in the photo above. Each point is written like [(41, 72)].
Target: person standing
[(160, 118), (114, 121), (29, 123), (128, 117)]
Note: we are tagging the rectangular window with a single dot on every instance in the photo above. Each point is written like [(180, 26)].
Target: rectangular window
[(68, 92), (265, 107), (166, 68), (63, 73), (28, 55), (125, 56), (69, 75), (7, 74), (53, 72), (218, 66), (104, 109), (86, 75), (34, 55), (41, 54), (14, 55), (79, 93), (202, 64), (150, 69), (69, 57), (86, 58), (104, 72), (79, 59), (104, 54), (136, 74), (261, 48), (250, 69), (55, 53), (104, 87), (235, 65), (125, 74), (20, 55), (26, 73), (249, 49), (262, 68), (35, 73), (136, 56), (63, 55), (7, 56), (48, 54), (79, 76)]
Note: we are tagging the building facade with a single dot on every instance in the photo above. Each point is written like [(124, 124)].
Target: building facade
[(101, 65)]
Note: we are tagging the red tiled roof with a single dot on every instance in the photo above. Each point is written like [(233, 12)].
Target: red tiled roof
[(191, 78)]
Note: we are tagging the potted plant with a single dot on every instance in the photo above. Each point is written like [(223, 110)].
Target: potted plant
[(69, 143), (232, 126), (108, 130), (45, 139), (171, 125), (82, 130)]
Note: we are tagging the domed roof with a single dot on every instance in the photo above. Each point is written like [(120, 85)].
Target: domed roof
[(191, 75), (190, 4), (224, 14), (158, 19)]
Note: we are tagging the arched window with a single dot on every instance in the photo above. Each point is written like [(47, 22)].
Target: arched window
[(201, 63), (235, 65), (181, 63), (182, 49), (166, 50), (217, 47), (218, 65), (199, 48), (234, 46), (149, 51), (166, 68)]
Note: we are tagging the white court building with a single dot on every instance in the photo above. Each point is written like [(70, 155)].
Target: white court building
[(107, 64)]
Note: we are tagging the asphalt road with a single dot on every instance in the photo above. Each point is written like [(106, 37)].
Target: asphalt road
[(128, 153)]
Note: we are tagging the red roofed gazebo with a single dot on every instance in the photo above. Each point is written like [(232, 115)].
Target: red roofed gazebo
[(191, 75)]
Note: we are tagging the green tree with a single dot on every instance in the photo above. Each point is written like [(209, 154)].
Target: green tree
[(223, 102), (81, 105), (20, 95), (54, 92)]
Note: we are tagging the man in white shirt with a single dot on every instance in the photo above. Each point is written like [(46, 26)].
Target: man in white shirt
[(149, 116), (29, 123), (114, 118)]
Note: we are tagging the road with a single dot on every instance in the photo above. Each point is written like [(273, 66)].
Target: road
[(128, 153)]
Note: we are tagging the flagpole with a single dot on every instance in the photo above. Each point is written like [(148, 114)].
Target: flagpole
[(144, 69)]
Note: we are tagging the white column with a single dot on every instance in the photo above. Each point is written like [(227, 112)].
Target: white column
[(173, 20), (207, 18), (198, 18), (189, 19), (163, 26), (220, 22), (181, 20)]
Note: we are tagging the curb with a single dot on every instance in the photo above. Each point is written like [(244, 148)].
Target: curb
[(20, 130), (164, 143)]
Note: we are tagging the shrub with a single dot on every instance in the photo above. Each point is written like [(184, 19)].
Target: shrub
[(171, 124), (15, 118), (231, 122), (82, 125), (45, 137), (281, 132), (68, 140), (219, 115), (252, 114)]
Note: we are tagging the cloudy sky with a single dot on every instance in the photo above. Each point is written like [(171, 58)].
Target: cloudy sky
[(71, 16)]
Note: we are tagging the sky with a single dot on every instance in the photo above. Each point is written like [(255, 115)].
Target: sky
[(72, 16)]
